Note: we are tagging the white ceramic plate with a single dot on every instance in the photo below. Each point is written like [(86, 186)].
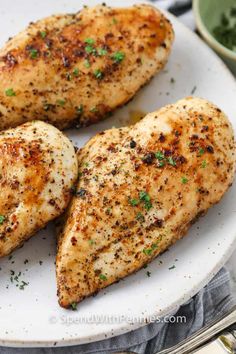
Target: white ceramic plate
[(32, 317)]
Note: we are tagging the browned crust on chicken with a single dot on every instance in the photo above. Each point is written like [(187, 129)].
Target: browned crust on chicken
[(38, 168), (75, 69), (140, 189)]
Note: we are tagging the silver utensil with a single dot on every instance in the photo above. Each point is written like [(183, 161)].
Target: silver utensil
[(227, 339), (218, 337)]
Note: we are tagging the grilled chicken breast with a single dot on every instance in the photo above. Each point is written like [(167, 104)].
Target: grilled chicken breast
[(140, 189), (75, 69), (38, 168)]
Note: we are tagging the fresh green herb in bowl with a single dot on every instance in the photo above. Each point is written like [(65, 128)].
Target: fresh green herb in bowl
[(216, 22), (225, 32)]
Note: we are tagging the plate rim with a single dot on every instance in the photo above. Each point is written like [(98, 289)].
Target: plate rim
[(122, 329)]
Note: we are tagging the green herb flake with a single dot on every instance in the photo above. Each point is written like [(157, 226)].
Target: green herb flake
[(201, 151), (91, 242), (87, 63), (98, 74), (172, 80), (147, 251), (74, 306), (171, 161), (102, 277), (184, 180), (148, 274), (2, 218), (61, 102), (118, 57), (33, 53), (154, 246), (134, 202), (43, 34), (193, 90), (173, 267), (145, 197), (102, 52), (76, 72), (89, 49), (159, 155), (10, 92), (114, 21), (23, 284), (204, 164), (89, 41)]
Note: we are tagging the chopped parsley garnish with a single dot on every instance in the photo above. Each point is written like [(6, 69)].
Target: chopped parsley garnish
[(134, 202), (140, 217), (148, 251), (204, 164), (159, 155), (76, 72), (89, 41), (114, 21), (161, 163), (10, 92), (74, 306), (171, 161), (87, 63), (193, 90), (80, 109), (23, 284), (148, 274), (145, 197), (184, 180), (33, 53), (225, 31), (61, 102), (173, 267), (89, 49), (102, 51), (98, 74), (2, 218), (201, 151), (172, 80), (118, 56), (91, 242), (43, 34), (102, 277)]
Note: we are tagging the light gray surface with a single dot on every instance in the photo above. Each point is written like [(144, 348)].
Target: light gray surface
[(212, 301)]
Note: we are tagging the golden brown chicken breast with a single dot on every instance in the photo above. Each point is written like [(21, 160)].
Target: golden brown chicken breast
[(38, 168), (140, 189), (75, 69)]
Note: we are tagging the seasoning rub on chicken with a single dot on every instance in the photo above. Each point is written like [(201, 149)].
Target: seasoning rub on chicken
[(38, 168), (75, 69), (140, 189)]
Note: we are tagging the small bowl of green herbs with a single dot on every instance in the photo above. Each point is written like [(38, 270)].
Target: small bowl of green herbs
[(216, 22)]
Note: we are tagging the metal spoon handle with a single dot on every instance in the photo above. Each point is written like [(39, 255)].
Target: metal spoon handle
[(203, 335)]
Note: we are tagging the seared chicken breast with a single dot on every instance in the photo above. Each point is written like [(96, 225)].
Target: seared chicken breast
[(38, 168), (140, 189), (75, 69)]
